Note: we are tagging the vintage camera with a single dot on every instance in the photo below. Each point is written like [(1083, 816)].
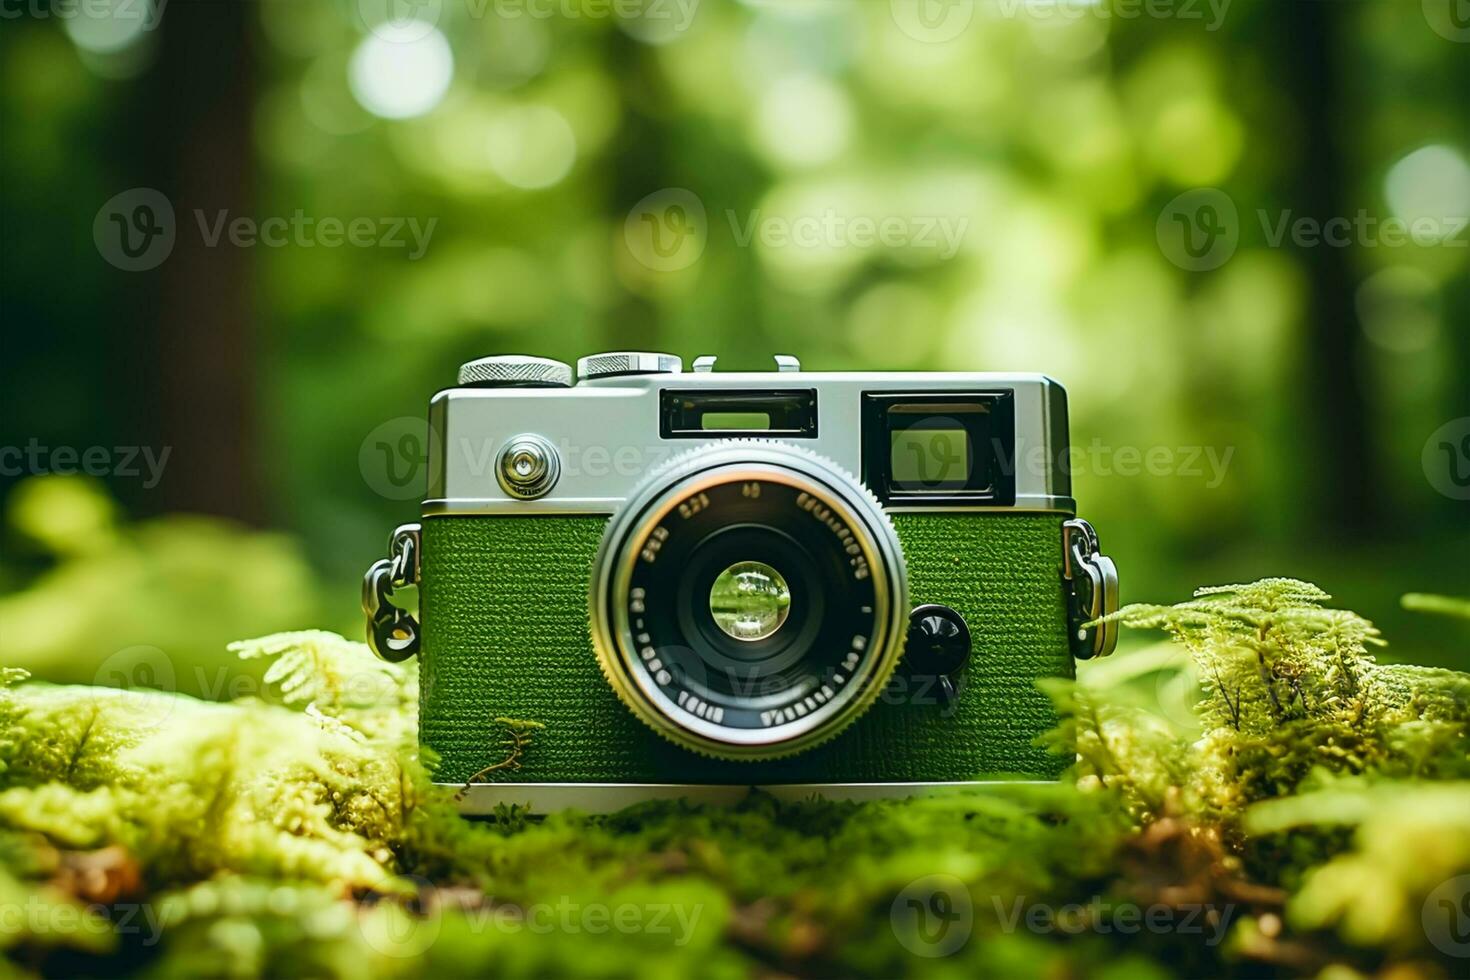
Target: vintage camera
[(843, 584)]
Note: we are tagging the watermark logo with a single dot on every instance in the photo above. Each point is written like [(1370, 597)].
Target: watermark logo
[(1450, 19), (134, 230), (1177, 691), (1446, 917), (933, 916), (1446, 459), (401, 929), (932, 21), (667, 230), (400, 21), (394, 458), (1198, 462), (137, 668), (1199, 230)]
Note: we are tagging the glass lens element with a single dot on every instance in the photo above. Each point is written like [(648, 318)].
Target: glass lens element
[(930, 458), (749, 600)]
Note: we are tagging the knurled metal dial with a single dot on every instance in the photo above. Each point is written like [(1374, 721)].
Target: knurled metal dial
[(618, 362), (511, 370)]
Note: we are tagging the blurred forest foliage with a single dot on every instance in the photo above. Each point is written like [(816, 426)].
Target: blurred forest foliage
[(538, 137)]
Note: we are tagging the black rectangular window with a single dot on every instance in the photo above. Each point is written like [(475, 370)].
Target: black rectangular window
[(786, 413), (941, 448)]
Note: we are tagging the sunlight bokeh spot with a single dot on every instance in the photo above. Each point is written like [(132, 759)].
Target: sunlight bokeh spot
[(402, 78), (803, 121), (1429, 189), (1399, 309), (107, 26), (531, 146)]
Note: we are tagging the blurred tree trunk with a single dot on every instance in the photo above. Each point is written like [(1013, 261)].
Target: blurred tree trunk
[(1343, 463), (199, 142)]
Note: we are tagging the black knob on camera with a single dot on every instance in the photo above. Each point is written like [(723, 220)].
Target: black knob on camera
[(938, 647)]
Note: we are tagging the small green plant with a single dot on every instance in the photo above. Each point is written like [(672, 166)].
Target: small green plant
[(518, 736)]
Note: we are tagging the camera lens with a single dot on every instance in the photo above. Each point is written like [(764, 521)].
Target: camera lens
[(749, 600)]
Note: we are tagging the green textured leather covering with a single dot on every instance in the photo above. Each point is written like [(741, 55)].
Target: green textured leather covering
[(504, 610)]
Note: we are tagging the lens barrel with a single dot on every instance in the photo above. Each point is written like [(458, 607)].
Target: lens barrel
[(749, 600)]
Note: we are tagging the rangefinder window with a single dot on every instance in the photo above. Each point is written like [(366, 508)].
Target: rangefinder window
[(736, 422), (787, 413), (940, 448)]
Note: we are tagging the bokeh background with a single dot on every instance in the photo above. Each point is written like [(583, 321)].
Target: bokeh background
[(1121, 194)]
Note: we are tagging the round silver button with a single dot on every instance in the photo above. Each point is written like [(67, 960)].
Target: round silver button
[(510, 370), (614, 363), (528, 467)]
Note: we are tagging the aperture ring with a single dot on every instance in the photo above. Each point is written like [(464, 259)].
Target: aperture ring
[(814, 676)]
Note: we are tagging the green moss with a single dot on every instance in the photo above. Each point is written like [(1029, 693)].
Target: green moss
[(1296, 819)]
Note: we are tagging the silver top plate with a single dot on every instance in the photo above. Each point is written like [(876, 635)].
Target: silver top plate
[(607, 434)]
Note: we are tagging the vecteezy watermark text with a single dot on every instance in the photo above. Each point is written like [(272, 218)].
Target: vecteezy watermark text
[(136, 230), (149, 12), (1098, 458), (935, 916), (394, 459), (38, 917), (833, 230), (406, 935), (667, 230), (304, 231), (679, 13), (941, 21), (1200, 230), (1122, 918), (35, 459), (1211, 13), (409, 20)]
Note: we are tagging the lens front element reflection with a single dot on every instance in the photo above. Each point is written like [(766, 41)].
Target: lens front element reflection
[(749, 600)]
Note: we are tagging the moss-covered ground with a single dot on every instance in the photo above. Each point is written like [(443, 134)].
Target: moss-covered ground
[(1254, 796)]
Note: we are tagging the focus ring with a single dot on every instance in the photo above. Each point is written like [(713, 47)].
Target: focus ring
[(858, 591)]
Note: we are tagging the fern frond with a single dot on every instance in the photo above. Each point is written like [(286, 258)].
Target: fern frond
[(1442, 605)]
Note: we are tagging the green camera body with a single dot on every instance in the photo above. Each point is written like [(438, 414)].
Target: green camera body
[(654, 583)]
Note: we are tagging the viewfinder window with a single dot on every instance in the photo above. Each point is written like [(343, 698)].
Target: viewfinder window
[(935, 456), (939, 447)]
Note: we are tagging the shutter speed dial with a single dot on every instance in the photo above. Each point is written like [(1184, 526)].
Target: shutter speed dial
[(515, 371), (615, 363)]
